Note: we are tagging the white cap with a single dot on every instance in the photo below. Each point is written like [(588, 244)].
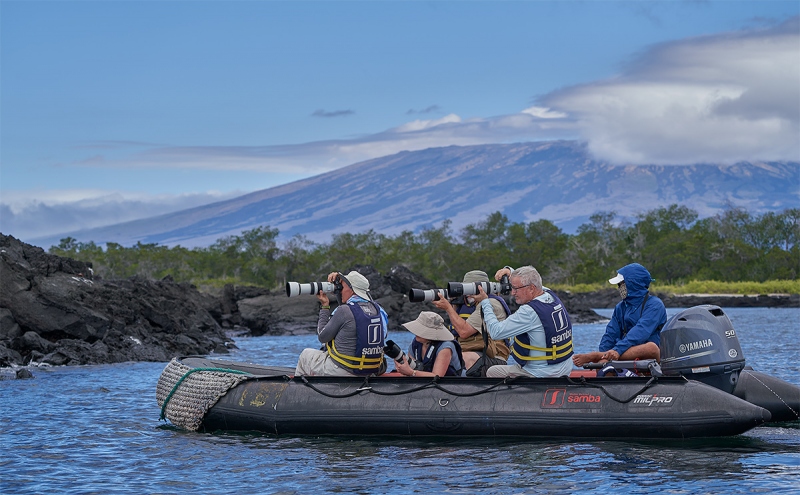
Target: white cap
[(619, 278)]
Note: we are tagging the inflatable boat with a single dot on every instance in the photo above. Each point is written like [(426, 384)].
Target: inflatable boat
[(220, 395), (682, 398)]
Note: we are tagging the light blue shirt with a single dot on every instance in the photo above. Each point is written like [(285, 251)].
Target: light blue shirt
[(525, 320)]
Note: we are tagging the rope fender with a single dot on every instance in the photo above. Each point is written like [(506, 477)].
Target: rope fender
[(189, 404)]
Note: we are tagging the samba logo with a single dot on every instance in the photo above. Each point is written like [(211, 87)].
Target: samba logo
[(583, 398), (554, 397)]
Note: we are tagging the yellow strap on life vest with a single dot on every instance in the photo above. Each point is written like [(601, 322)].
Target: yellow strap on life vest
[(452, 329), (554, 352), (352, 362)]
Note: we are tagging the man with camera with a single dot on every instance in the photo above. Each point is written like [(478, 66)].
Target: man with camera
[(541, 328), (353, 334), (467, 324)]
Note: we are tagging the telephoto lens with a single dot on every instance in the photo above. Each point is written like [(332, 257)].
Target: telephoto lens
[(427, 295), (471, 288), (296, 289), (394, 351)]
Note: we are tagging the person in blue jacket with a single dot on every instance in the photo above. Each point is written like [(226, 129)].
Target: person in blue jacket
[(634, 331)]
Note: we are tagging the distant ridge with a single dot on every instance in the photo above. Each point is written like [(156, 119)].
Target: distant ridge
[(554, 180)]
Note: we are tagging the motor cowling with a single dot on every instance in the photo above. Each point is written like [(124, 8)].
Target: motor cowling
[(701, 344)]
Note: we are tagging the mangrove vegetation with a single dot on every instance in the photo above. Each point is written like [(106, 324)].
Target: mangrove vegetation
[(731, 251)]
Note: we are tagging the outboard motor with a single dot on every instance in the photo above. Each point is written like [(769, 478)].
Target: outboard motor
[(701, 344)]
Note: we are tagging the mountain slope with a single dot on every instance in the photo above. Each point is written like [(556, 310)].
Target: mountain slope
[(557, 181)]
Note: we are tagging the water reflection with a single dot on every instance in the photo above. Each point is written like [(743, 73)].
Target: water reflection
[(523, 467)]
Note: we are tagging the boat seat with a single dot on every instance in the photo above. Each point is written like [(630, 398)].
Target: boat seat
[(583, 373)]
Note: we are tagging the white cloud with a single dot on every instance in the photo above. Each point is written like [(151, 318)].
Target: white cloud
[(418, 125), (316, 157), (544, 113), (722, 99), (31, 214)]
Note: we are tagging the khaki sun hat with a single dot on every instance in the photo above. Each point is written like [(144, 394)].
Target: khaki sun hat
[(359, 284), (429, 325), (475, 276)]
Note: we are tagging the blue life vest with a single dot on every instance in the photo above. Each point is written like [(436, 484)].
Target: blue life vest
[(430, 357), (369, 340), (558, 334), (464, 312)]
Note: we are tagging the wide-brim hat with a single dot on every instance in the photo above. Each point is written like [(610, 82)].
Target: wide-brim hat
[(475, 276), (429, 325), (359, 284)]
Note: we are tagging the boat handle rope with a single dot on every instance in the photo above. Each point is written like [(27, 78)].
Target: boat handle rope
[(586, 383), (776, 395), (505, 381), (365, 387), (177, 384)]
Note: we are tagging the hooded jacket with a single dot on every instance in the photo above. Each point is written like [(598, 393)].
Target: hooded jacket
[(643, 322)]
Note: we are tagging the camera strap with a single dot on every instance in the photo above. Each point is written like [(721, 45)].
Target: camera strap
[(484, 362), (484, 332)]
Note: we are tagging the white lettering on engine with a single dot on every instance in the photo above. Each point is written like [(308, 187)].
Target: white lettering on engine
[(693, 346)]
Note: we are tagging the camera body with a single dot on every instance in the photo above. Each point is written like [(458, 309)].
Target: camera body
[(456, 289), (394, 351), (297, 289), (427, 295)]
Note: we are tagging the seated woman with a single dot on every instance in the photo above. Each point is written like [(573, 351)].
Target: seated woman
[(434, 350)]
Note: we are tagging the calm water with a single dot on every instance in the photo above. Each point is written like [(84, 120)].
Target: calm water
[(95, 429)]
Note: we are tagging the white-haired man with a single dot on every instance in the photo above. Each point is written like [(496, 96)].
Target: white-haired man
[(541, 328), (354, 334)]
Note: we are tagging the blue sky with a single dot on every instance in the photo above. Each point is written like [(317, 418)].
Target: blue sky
[(116, 110)]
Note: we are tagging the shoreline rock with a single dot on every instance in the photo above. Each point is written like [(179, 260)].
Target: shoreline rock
[(53, 312)]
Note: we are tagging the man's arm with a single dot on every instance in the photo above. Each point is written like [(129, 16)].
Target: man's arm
[(505, 271), (329, 325), (463, 328), (520, 322)]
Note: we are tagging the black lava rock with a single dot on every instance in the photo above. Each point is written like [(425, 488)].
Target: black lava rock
[(53, 311)]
